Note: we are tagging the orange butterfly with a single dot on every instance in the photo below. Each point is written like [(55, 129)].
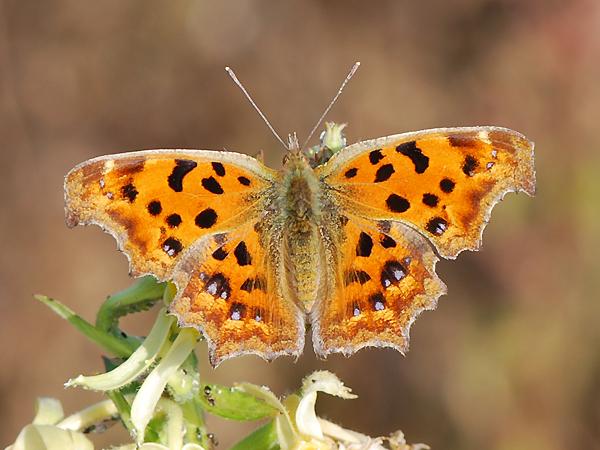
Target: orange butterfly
[(346, 242)]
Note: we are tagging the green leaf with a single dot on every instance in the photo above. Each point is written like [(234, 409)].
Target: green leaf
[(123, 407), (109, 342), (233, 403), (263, 438), (141, 296)]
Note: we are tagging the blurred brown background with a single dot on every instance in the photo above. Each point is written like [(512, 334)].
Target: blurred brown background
[(510, 359)]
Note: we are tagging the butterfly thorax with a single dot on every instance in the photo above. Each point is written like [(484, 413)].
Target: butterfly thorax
[(301, 217)]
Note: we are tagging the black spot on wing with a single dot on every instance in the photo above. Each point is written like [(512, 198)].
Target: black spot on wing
[(397, 203), (375, 156), (365, 245), (206, 218), (237, 311), (220, 254), (241, 254), (212, 185), (447, 185), (181, 169), (154, 208), (218, 168), (430, 200), (357, 276), (218, 286), (393, 272), (414, 153), (129, 192), (387, 242), (469, 165), (253, 283), (244, 181), (437, 226), (377, 301), (174, 220), (384, 173), (172, 246), (351, 173)]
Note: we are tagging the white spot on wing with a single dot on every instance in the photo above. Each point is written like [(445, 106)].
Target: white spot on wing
[(212, 288)]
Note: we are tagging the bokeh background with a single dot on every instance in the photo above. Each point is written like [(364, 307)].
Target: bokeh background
[(510, 359)]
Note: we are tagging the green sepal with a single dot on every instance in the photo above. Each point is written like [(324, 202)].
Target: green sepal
[(263, 438), (155, 429), (184, 385), (109, 342), (195, 428), (232, 403)]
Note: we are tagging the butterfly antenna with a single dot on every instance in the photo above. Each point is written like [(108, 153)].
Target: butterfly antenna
[(344, 83), (236, 81)]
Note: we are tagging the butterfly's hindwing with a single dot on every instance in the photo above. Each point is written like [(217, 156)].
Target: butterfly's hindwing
[(381, 276), (231, 290)]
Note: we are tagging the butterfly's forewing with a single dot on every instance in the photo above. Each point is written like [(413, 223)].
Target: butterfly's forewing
[(381, 276), (189, 216), (441, 182), (158, 203), (235, 296)]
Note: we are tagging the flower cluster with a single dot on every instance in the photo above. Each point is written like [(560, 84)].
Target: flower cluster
[(153, 388)]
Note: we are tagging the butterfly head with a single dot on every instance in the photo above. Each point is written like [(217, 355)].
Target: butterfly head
[(294, 157), (294, 154), (293, 145)]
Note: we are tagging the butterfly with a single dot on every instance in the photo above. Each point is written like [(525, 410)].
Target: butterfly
[(345, 242)]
